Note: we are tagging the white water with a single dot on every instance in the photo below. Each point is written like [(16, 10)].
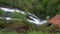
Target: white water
[(35, 20)]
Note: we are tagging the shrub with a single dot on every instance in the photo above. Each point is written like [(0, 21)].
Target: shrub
[(51, 29)]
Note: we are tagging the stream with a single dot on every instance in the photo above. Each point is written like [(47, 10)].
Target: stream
[(33, 18)]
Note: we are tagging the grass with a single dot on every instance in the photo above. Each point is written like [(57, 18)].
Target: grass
[(29, 32), (7, 32), (39, 32)]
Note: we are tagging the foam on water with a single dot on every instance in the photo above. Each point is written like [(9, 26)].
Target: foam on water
[(32, 16)]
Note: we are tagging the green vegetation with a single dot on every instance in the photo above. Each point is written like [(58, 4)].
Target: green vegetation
[(32, 32), (41, 8), (17, 15), (3, 13), (1, 32), (12, 25)]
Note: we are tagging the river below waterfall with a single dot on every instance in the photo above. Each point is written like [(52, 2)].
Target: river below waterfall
[(33, 18)]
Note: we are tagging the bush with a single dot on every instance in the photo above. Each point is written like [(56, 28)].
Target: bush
[(51, 29)]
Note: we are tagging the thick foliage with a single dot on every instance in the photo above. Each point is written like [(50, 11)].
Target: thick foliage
[(41, 8)]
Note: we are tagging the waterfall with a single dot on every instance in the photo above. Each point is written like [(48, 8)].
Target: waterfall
[(33, 18)]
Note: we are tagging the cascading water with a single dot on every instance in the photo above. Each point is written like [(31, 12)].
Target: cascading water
[(33, 18)]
